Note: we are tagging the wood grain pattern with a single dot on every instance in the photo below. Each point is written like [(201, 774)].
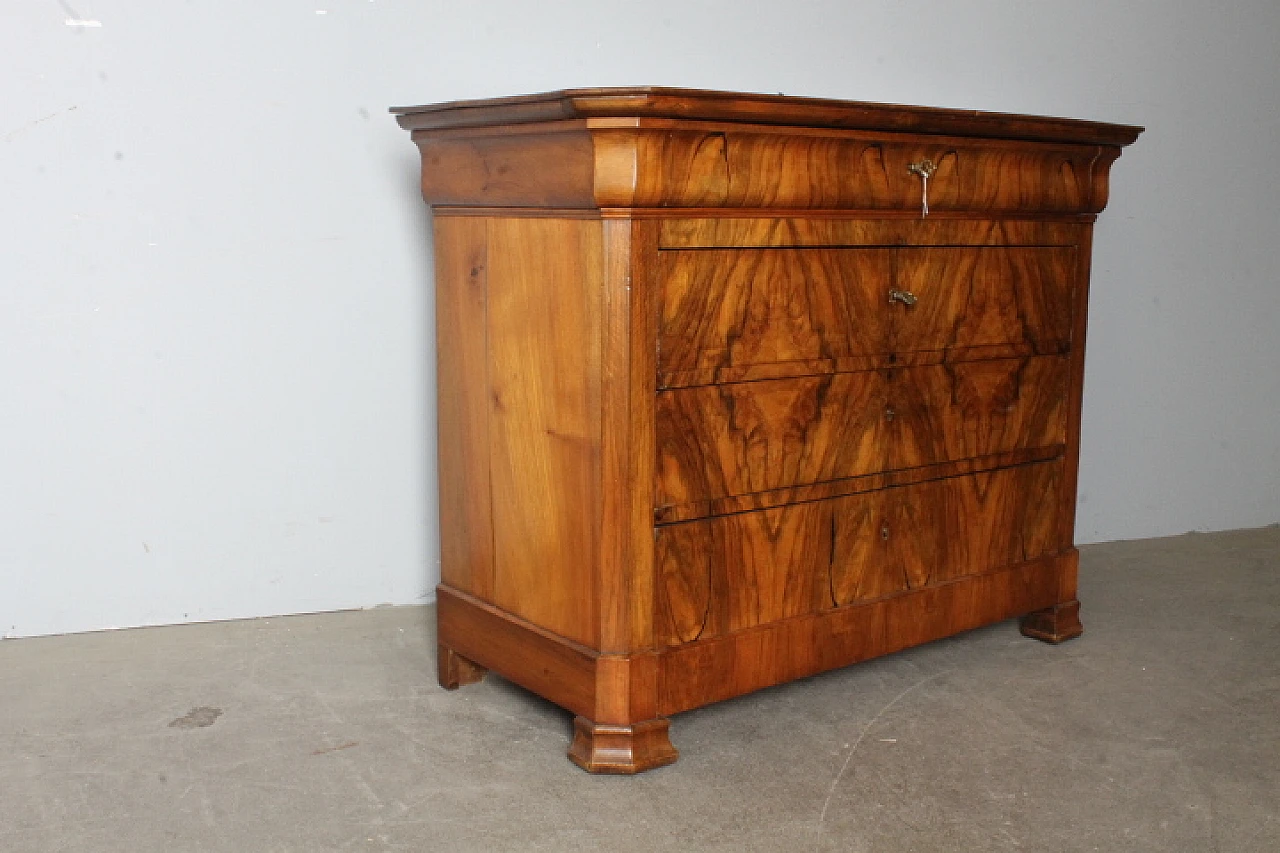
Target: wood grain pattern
[(544, 339), (721, 668), (550, 665), (851, 485), (720, 441), (930, 533), (803, 310), (725, 574), (969, 298), (733, 308), (938, 414), (849, 171), (730, 573), (462, 379), (658, 164), (553, 169), (720, 230), (627, 398), (690, 446)]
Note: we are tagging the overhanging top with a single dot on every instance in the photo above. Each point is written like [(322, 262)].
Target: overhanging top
[(706, 105)]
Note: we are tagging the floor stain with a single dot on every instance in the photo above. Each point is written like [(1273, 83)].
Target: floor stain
[(336, 748), (197, 718)]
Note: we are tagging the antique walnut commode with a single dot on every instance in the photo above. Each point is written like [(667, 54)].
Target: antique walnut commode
[(734, 389)]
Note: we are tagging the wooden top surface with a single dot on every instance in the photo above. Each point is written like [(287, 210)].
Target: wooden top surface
[(648, 102)]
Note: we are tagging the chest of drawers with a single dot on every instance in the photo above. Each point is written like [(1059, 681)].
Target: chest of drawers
[(734, 389)]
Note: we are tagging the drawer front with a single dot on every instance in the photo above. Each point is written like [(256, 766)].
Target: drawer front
[(738, 314), (719, 441), (726, 574), (975, 298), (726, 310), (744, 169)]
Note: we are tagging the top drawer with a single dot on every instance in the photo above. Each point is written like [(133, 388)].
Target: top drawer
[(731, 315), (771, 169)]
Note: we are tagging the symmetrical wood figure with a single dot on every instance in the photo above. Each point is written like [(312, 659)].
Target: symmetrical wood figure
[(734, 389)]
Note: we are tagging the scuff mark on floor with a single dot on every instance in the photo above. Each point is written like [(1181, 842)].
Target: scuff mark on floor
[(839, 775), (197, 718), (329, 749)]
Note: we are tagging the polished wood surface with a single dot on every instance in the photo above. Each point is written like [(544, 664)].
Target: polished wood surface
[(621, 750), (673, 103), (758, 229), (719, 441), (722, 406), (850, 486), (462, 377), (584, 164), (544, 419), (696, 674), (724, 574), (732, 315), (546, 663)]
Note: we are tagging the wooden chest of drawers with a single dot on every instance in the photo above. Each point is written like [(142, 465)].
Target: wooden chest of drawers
[(734, 389)]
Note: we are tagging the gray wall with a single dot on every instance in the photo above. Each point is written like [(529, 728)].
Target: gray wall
[(216, 393)]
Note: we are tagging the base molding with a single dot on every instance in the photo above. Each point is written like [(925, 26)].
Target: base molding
[(652, 684), (621, 750), (1055, 624)]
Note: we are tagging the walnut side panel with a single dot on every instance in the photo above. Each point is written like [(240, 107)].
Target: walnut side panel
[(466, 526), (544, 333)]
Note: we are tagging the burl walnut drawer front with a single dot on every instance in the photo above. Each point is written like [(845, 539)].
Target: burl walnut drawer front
[(716, 441), (720, 575), (737, 314), (722, 168)]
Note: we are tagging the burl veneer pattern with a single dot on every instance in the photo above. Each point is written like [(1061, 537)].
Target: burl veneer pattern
[(720, 407)]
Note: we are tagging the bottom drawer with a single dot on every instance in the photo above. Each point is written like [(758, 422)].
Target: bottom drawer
[(719, 575)]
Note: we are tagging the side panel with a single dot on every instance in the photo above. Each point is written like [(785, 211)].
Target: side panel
[(544, 333)]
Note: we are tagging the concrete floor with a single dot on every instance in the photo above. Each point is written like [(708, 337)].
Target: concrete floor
[(1159, 730)]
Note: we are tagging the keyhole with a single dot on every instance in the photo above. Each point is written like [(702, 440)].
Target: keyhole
[(889, 413), (884, 532)]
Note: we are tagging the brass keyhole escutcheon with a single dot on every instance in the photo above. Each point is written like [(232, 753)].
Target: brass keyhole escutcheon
[(889, 413), (884, 532)]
